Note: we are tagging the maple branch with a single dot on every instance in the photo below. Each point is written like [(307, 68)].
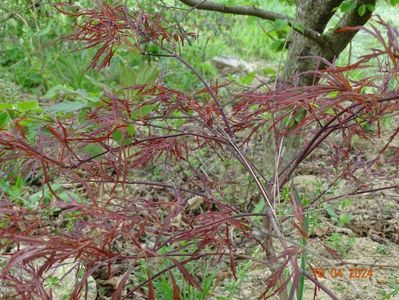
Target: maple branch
[(259, 13)]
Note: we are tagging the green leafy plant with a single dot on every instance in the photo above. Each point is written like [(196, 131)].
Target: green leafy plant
[(394, 285), (342, 219), (340, 243)]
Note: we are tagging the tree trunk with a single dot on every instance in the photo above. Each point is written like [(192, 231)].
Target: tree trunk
[(314, 14), (303, 52)]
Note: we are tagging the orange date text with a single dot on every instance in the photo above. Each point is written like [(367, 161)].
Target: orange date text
[(338, 272)]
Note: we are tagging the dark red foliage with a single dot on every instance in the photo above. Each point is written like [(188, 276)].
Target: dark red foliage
[(120, 226), (109, 26)]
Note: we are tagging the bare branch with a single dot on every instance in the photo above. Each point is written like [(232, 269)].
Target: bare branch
[(236, 10), (256, 12)]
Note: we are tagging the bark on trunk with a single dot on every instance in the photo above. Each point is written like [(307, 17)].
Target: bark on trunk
[(302, 51), (315, 14)]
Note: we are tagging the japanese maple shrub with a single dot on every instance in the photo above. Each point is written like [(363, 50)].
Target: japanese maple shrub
[(104, 149)]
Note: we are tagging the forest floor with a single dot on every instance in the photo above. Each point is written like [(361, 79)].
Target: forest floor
[(367, 245)]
